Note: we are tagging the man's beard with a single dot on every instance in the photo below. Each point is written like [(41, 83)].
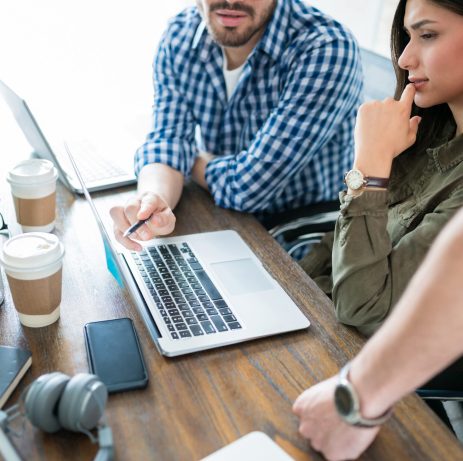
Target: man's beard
[(230, 37)]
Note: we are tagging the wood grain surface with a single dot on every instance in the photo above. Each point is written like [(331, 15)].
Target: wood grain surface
[(195, 404)]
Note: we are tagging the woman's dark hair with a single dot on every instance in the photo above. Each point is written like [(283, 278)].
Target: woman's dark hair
[(433, 119)]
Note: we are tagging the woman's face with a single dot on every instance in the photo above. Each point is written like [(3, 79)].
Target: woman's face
[(434, 55)]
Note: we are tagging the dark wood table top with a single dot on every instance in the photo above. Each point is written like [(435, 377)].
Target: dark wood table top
[(196, 404)]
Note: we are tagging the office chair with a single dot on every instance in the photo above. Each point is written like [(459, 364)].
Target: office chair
[(298, 235), (444, 395), (379, 76), (447, 385)]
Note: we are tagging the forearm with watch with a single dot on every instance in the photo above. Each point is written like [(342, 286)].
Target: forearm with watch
[(414, 343), (368, 174)]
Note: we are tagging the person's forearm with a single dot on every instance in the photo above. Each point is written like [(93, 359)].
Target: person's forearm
[(423, 334), (198, 173), (162, 180)]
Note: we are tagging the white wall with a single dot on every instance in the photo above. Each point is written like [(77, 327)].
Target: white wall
[(361, 16), (83, 65), (369, 20)]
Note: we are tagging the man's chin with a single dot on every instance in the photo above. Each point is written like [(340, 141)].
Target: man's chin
[(231, 43), (231, 36)]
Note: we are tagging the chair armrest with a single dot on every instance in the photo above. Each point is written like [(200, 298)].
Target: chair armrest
[(303, 241), (329, 219)]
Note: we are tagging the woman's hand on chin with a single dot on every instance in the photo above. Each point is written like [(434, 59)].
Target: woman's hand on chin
[(383, 130)]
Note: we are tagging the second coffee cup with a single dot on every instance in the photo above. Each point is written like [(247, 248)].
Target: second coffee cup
[(33, 186), (33, 266)]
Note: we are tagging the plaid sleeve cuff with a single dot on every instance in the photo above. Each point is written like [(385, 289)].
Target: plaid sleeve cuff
[(222, 186), (178, 155)]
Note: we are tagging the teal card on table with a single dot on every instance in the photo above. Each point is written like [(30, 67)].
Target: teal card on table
[(112, 265)]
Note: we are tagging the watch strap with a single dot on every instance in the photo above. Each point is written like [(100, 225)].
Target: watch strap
[(372, 181), (358, 420)]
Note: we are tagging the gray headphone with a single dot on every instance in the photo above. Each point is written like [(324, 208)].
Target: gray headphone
[(56, 401)]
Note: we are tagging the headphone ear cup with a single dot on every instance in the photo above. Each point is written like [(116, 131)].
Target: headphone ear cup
[(42, 399), (82, 404)]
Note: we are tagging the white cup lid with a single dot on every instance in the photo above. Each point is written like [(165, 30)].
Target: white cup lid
[(32, 172), (31, 251)]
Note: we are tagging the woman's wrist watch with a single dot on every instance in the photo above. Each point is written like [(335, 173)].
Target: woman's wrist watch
[(347, 403), (355, 180)]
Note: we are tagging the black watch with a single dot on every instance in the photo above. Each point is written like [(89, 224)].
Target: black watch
[(347, 403)]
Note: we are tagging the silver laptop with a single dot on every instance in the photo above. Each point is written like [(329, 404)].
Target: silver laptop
[(98, 171), (199, 291)]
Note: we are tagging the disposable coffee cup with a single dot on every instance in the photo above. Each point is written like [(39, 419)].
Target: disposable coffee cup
[(33, 186), (33, 266)]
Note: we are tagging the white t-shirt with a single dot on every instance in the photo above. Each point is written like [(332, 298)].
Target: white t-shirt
[(231, 76)]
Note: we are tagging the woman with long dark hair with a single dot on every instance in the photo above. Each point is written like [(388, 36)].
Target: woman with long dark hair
[(407, 177), (385, 231)]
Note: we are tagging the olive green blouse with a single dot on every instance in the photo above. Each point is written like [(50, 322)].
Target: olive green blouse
[(381, 237)]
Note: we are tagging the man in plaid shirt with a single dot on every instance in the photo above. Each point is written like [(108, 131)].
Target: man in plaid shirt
[(255, 100)]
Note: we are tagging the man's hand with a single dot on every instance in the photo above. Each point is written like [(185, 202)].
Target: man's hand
[(327, 433), (162, 219)]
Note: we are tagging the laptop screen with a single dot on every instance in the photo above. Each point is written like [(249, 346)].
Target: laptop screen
[(112, 260), (26, 121)]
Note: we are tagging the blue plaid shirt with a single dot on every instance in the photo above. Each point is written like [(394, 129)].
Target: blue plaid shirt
[(285, 137)]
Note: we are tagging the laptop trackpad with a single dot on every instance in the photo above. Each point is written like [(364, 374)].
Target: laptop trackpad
[(241, 276)]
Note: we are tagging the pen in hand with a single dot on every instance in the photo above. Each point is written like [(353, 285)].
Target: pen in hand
[(135, 226)]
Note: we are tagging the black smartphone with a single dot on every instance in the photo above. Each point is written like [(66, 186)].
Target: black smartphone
[(114, 354)]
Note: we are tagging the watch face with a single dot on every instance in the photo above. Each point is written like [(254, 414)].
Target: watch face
[(343, 400), (354, 179)]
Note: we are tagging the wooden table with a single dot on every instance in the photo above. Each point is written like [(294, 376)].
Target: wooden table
[(196, 404)]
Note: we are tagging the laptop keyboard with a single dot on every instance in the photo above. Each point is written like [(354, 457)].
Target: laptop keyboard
[(185, 296), (92, 165)]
